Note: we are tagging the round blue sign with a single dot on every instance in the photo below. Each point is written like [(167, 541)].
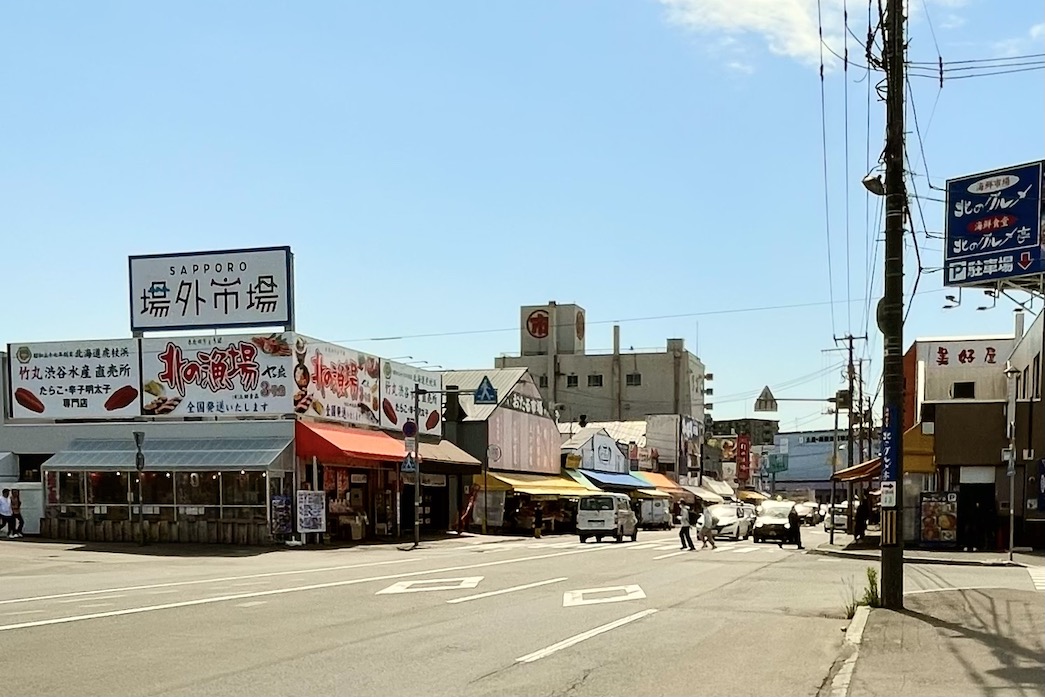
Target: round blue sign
[(410, 429)]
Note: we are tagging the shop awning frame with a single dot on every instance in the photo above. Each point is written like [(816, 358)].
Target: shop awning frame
[(446, 453), (614, 480), (703, 494), (650, 494), (664, 483), (545, 485), (721, 488), (269, 453)]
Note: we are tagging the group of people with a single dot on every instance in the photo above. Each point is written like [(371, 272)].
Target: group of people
[(11, 513), (690, 517)]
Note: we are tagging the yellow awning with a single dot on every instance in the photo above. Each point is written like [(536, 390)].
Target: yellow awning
[(534, 485), (650, 494), (919, 451)]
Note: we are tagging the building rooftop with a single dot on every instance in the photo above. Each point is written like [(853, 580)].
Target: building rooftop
[(620, 431), (502, 379)]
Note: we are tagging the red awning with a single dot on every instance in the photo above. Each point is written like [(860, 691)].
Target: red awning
[(338, 444), (865, 470)]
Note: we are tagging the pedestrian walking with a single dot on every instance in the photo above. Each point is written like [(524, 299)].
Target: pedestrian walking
[(863, 512), (6, 515), (684, 523), (794, 531), (18, 522), (538, 520), (707, 529)]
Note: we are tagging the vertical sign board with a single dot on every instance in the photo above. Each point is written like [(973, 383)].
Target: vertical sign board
[(743, 458), (993, 226), (209, 290), (890, 443)]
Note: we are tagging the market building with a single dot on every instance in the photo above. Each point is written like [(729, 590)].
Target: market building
[(235, 438)]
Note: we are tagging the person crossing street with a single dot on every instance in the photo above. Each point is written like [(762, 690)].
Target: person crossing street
[(684, 523)]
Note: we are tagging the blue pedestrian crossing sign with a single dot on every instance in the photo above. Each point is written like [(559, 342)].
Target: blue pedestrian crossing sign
[(485, 393), (409, 465)]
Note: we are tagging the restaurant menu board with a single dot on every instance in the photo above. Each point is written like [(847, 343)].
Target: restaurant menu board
[(312, 511), (336, 383), (398, 382), (282, 516), (939, 511), (74, 380), (242, 375)]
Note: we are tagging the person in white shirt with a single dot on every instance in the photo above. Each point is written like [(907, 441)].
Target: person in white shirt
[(6, 514), (684, 536)]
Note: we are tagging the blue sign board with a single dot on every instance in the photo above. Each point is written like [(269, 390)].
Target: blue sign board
[(994, 226), (485, 393), (410, 429), (408, 466), (890, 441)]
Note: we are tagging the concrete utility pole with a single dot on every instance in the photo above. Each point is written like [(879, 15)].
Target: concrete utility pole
[(850, 441), (890, 310)]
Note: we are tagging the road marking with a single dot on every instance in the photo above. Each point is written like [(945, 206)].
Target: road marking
[(665, 548), (575, 598), (21, 612), (428, 584), (744, 550), (583, 636), (167, 592), (90, 605), (247, 584), (1037, 576), (196, 582), (673, 554), (253, 603), (506, 590), (103, 597), (284, 591), (952, 588)]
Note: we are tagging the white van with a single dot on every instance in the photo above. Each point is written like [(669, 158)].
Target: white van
[(606, 515)]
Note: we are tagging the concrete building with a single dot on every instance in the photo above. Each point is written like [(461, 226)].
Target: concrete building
[(810, 462), (616, 386)]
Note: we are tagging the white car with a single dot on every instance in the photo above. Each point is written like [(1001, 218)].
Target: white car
[(837, 519), (606, 515), (733, 520)]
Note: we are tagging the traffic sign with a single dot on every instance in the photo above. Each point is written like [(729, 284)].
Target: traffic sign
[(485, 394), (777, 463), (409, 465), (411, 444), (410, 429), (766, 401), (888, 494)]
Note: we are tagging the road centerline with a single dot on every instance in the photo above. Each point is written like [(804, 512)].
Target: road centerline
[(502, 591), (583, 636)]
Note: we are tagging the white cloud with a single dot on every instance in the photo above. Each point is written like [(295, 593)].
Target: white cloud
[(740, 67), (1037, 32), (789, 27), (952, 22)]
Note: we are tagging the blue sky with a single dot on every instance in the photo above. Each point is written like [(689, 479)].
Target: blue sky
[(436, 165)]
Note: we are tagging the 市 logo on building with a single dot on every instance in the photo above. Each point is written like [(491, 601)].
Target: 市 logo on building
[(537, 324), (24, 354)]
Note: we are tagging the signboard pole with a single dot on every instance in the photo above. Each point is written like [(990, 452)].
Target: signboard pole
[(834, 484), (139, 464), (417, 480)]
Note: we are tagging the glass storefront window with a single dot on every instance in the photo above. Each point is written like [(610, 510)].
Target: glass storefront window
[(157, 488), (247, 489), (245, 513), (70, 487), (198, 488), (107, 488)]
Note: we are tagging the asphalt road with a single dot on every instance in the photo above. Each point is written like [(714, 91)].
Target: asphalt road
[(541, 617)]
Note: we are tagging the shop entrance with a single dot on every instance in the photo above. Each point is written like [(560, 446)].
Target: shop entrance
[(977, 516)]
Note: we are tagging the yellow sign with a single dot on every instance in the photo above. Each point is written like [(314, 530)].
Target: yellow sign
[(573, 461)]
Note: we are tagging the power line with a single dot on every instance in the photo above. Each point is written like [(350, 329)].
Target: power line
[(823, 138), (981, 60), (848, 252)]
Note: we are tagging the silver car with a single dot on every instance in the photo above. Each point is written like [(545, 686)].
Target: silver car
[(732, 520)]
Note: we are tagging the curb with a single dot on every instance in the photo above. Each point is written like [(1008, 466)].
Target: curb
[(868, 556), (854, 633)]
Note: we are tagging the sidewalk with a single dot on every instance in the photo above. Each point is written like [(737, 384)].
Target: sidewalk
[(973, 642), (845, 546)]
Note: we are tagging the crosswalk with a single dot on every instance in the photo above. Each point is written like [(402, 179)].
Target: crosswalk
[(1037, 576), (661, 545)]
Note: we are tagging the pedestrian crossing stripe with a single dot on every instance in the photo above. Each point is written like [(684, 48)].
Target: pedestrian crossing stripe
[(1037, 577)]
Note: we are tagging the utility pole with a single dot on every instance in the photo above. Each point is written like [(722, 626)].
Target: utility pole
[(850, 441), (860, 406), (890, 310)]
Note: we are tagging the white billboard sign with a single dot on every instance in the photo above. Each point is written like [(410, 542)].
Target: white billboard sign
[(336, 383), (217, 376), (74, 379), (397, 398), (208, 290)]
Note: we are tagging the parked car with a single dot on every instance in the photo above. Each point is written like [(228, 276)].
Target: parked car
[(606, 515), (837, 518), (733, 521), (809, 512), (655, 513), (772, 522)]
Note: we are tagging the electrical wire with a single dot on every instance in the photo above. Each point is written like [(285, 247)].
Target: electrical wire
[(981, 60), (848, 184), (823, 138)]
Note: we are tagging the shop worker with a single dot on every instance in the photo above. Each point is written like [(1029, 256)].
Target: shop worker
[(685, 522)]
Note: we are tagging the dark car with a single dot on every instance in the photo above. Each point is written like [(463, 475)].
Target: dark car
[(809, 512), (772, 523)]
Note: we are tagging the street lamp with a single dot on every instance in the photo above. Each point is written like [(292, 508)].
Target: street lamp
[(139, 464), (1010, 455)]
